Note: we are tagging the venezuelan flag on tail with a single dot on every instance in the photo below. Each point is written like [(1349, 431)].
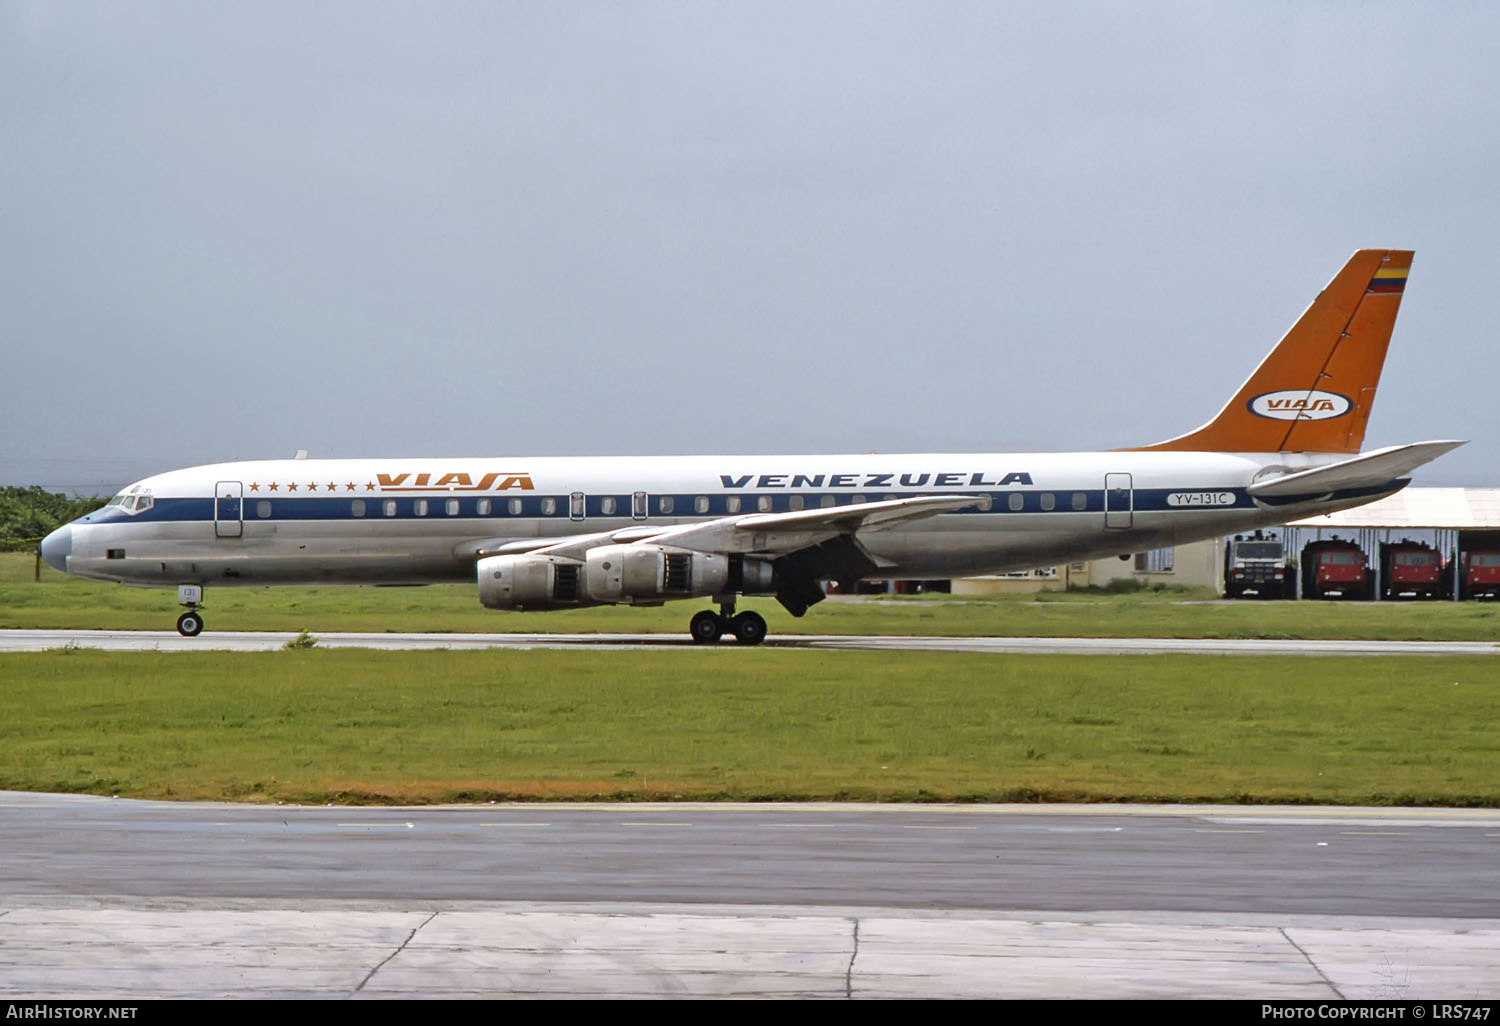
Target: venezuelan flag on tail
[(1314, 392)]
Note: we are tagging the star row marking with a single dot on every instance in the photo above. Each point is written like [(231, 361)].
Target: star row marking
[(313, 486)]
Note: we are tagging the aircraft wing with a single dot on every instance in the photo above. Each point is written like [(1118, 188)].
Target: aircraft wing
[(781, 533), (803, 546), (573, 545), (1370, 470), (767, 533)]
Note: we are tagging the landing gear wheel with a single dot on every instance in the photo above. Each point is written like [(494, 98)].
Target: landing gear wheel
[(189, 625), (706, 627), (748, 628)]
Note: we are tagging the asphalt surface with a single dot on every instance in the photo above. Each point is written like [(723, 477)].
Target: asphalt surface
[(1365, 862), (262, 641), (108, 897)]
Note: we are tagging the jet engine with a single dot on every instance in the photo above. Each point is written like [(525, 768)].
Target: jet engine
[(620, 573), (653, 573), (531, 582), (639, 574)]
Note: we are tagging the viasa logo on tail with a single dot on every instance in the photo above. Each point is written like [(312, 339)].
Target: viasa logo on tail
[(495, 480), (1296, 404)]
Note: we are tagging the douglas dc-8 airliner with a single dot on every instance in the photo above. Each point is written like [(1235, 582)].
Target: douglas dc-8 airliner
[(561, 533)]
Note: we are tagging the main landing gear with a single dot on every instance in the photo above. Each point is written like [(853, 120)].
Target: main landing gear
[(708, 627), (189, 624)]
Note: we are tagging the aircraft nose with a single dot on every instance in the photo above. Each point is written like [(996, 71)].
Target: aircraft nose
[(56, 548)]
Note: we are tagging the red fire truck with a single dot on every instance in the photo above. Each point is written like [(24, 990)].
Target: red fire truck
[(1410, 569), (1481, 574), (1335, 568)]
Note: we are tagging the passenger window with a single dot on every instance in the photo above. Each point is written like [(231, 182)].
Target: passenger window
[(859, 500), (482, 507), (1049, 502), (1017, 502), (514, 506), (451, 507), (263, 508), (419, 507), (575, 506), (763, 503), (827, 501), (665, 504), (984, 504), (357, 507), (388, 507), (732, 504), (796, 503), (700, 504), (1080, 501), (638, 506), (549, 507), (607, 505)]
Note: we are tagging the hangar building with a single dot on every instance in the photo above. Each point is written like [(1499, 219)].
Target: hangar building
[(1451, 520)]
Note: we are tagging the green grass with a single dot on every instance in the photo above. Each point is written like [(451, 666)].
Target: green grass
[(64, 602), (349, 725)]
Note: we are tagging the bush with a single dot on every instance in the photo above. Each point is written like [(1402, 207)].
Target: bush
[(303, 640)]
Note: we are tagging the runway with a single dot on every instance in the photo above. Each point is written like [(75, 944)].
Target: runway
[(112, 897), (265, 641)]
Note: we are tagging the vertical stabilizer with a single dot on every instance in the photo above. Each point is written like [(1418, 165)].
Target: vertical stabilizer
[(1314, 392)]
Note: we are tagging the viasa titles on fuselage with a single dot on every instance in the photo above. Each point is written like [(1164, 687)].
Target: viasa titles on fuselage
[(559, 533)]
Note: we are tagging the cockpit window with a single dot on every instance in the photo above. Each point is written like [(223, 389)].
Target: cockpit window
[(132, 501)]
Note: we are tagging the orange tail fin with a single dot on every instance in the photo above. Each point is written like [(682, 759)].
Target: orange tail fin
[(1315, 390)]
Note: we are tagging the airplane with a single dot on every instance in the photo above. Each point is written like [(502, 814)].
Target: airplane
[(563, 533)]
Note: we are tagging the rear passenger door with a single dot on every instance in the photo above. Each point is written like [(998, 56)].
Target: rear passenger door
[(1119, 501)]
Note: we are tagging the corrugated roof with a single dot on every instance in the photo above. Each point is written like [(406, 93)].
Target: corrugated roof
[(1462, 508)]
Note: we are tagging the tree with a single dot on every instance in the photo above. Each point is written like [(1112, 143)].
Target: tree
[(32, 512)]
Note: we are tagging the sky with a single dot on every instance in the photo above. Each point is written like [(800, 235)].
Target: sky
[(234, 230)]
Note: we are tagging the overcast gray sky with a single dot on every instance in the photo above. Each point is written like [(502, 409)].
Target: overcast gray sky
[(232, 230)]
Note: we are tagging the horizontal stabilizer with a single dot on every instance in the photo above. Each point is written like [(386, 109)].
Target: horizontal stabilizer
[(1379, 467)]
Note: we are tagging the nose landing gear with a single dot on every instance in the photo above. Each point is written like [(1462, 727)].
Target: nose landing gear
[(708, 627), (190, 624)]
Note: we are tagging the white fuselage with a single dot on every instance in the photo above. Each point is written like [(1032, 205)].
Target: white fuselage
[(419, 521)]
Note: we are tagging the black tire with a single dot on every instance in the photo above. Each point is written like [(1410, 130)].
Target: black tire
[(189, 625), (748, 628), (706, 627)]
